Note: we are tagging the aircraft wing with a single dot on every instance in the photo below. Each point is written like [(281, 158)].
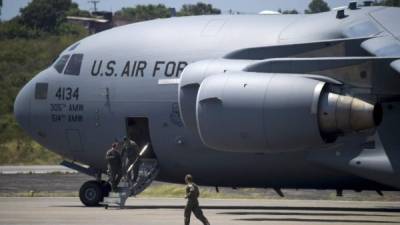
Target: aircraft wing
[(384, 32), (387, 46), (369, 48), (379, 36)]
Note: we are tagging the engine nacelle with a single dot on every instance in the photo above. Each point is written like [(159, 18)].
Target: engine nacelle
[(191, 79), (253, 112)]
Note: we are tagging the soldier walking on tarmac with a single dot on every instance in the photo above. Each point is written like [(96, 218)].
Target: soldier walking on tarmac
[(192, 205), (114, 164)]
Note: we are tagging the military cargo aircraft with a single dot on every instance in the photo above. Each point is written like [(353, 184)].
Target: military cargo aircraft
[(268, 101)]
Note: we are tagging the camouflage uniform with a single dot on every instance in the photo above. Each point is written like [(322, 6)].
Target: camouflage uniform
[(192, 205), (114, 164), (130, 153)]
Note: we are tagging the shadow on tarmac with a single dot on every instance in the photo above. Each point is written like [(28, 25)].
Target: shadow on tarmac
[(313, 220), (290, 208), (363, 212), (305, 213)]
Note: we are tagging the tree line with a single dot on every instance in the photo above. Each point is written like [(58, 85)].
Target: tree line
[(49, 17), (317, 6), (43, 17), (148, 12)]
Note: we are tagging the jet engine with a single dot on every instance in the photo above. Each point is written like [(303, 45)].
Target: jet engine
[(261, 112)]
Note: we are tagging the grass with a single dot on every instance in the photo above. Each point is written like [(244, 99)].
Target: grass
[(155, 191), (20, 60), (178, 191), (25, 152)]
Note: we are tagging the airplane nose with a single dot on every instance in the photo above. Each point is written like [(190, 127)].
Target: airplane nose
[(22, 107)]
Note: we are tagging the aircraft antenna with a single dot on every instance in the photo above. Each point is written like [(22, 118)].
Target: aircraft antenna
[(94, 2)]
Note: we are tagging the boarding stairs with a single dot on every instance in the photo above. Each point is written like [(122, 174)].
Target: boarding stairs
[(148, 171)]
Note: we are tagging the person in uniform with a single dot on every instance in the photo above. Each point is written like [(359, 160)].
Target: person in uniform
[(130, 153), (192, 205), (114, 164)]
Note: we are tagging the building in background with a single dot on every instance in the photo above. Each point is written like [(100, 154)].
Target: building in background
[(99, 21), (102, 20)]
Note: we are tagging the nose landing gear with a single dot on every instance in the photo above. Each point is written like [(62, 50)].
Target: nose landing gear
[(93, 192)]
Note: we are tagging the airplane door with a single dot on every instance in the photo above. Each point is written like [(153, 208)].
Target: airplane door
[(137, 129)]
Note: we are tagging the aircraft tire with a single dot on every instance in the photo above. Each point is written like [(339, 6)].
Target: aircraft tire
[(91, 193)]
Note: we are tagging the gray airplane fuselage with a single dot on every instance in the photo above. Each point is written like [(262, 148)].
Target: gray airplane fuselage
[(134, 71)]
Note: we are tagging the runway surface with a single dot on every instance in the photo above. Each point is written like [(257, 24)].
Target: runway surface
[(35, 169), (24, 180), (140, 211), (153, 211)]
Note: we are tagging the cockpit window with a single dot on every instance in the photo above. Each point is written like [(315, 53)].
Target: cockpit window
[(74, 65), (60, 64)]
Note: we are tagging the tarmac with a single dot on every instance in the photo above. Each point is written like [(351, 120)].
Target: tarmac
[(169, 211), (153, 211), (45, 169)]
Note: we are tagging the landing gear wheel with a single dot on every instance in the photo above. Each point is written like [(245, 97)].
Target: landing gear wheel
[(91, 193)]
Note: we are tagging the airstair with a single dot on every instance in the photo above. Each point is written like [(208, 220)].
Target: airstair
[(148, 171)]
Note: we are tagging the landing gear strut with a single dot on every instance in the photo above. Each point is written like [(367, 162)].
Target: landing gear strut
[(93, 192)]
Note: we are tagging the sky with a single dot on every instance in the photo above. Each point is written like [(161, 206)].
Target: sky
[(11, 7)]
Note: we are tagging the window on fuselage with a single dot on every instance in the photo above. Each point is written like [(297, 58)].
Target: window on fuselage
[(60, 64), (74, 65), (41, 90)]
